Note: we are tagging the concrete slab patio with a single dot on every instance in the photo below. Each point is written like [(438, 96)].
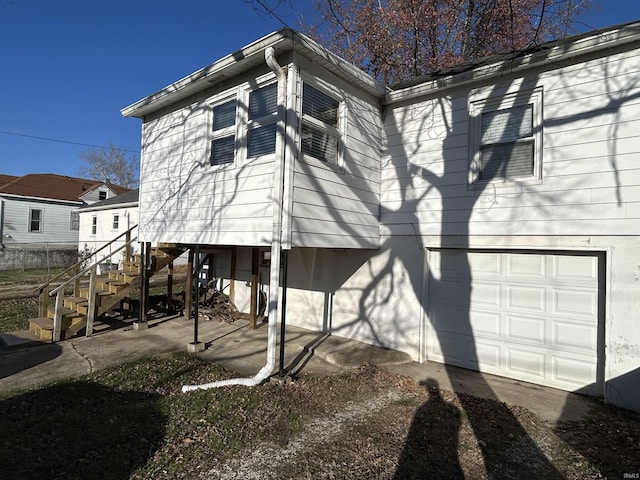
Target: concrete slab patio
[(242, 350)]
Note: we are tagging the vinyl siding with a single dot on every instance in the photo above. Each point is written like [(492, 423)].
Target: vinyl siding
[(56, 222), (337, 206), (590, 169)]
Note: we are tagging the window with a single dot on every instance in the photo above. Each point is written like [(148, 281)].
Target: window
[(35, 220), (320, 134), (116, 221), (223, 136), (74, 221), (102, 195), (261, 124), (508, 139), (94, 225)]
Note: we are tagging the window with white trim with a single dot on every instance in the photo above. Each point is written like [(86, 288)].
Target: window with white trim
[(319, 130), (223, 134), (74, 221), (116, 222), (35, 220), (507, 138), (94, 225), (261, 121), (102, 195)]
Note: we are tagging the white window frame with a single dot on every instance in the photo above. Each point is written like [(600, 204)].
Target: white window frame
[(223, 132), (265, 120), (100, 194), (116, 222), (337, 132), (74, 221), (40, 220), (94, 225), (504, 102)]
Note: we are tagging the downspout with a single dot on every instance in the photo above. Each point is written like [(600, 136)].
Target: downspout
[(276, 239), (1, 224)]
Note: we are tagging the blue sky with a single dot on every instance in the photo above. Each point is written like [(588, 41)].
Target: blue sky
[(68, 67)]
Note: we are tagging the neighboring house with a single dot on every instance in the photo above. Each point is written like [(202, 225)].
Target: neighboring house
[(43, 208), (103, 221), (485, 217)]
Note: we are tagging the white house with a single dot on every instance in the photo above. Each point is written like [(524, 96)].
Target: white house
[(43, 208), (106, 220), (484, 217)]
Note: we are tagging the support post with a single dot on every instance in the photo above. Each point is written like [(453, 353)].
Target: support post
[(285, 265), (253, 306), (141, 324), (43, 302), (57, 317), (92, 306), (188, 287), (127, 248), (76, 282), (196, 346), (232, 277), (169, 305)]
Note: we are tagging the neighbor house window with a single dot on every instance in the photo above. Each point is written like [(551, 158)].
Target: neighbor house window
[(223, 134), (116, 222), (102, 195), (74, 221), (508, 139), (35, 220), (261, 121), (320, 133), (94, 225)]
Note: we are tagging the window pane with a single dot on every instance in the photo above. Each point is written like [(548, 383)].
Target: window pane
[(75, 221), (262, 140), (224, 115), (102, 195), (506, 161), (318, 105), (263, 101), (507, 125), (34, 223), (222, 150), (319, 145)]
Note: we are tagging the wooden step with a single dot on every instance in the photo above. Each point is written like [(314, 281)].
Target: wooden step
[(67, 315), (71, 302), (131, 267), (42, 328), (76, 326), (115, 286)]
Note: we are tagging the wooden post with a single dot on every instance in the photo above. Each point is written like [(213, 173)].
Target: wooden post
[(169, 305), (232, 277), (127, 249), (43, 302), (255, 270), (57, 317), (92, 306), (149, 264), (76, 282), (188, 287)]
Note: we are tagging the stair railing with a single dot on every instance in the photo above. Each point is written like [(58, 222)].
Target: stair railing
[(93, 261)]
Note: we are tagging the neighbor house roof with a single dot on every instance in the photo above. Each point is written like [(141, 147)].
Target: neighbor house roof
[(52, 186), (4, 179), (282, 41), (128, 199)]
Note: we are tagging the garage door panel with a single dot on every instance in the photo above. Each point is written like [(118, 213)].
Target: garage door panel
[(525, 364), (526, 266), (532, 316), (572, 302), (575, 268), (528, 298), (530, 330), (574, 373), (578, 337)]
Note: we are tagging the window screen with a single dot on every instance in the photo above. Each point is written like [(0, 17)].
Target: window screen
[(223, 143), (319, 106), (224, 115), (263, 101), (507, 143)]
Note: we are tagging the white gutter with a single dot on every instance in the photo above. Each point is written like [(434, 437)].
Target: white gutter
[(276, 241), (40, 199)]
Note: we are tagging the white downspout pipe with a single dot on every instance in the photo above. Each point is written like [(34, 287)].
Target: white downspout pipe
[(276, 240)]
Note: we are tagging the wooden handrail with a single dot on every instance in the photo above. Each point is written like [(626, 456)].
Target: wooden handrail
[(80, 262)]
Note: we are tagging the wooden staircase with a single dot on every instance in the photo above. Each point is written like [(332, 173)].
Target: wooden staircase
[(73, 311)]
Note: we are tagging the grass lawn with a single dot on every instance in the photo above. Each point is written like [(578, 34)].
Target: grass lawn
[(131, 422)]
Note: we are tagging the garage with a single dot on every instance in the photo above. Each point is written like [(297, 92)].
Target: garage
[(531, 316)]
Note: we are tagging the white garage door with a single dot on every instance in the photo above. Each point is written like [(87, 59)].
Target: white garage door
[(528, 316)]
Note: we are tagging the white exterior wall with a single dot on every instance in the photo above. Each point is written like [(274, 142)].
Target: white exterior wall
[(127, 218), (56, 222), (184, 199), (338, 205), (94, 195), (587, 200)]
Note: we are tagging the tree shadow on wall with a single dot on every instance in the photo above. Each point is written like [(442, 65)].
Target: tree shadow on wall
[(78, 430)]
